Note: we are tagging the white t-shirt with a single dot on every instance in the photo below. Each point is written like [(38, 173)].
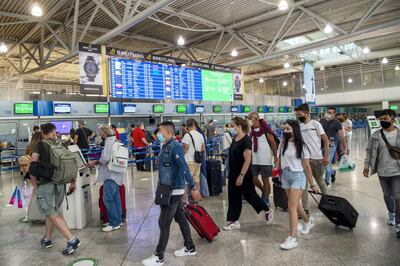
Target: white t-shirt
[(347, 124), (311, 133), (198, 141), (226, 141), (263, 156), (289, 158)]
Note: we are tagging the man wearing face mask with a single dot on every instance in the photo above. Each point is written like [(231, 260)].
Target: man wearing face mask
[(313, 134), (334, 130), (383, 157)]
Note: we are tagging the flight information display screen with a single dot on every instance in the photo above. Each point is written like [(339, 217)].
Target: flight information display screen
[(132, 79)]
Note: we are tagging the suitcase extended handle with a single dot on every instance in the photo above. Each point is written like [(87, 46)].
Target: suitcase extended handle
[(328, 200)]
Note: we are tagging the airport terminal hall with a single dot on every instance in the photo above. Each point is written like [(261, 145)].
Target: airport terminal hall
[(199, 132)]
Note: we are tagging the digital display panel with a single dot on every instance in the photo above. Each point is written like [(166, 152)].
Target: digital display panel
[(373, 124), (158, 108), (289, 109), (246, 109), (199, 109), (393, 107), (62, 108), (217, 86), (62, 127), (270, 109), (217, 108), (129, 108), (234, 109), (260, 109), (23, 108), (101, 108), (181, 108), (282, 109)]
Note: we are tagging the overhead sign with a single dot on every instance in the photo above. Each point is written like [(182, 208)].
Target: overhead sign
[(90, 64)]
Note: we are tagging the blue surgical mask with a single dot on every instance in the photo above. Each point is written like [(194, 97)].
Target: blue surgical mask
[(233, 131), (160, 137)]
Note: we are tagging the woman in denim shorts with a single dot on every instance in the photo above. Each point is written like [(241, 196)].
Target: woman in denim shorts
[(293, 160)]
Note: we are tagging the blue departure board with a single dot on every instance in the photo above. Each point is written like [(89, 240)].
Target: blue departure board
[(132, 79)]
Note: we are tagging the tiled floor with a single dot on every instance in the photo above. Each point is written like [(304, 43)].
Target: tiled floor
[(372, 242)]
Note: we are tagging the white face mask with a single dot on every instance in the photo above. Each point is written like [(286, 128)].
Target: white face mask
[(250, 123), (328, 116)]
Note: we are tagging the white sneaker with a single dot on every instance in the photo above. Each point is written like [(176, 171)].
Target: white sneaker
[(109, 228), (268, 216), (184, 252), (308, 226), (232, 226), (391, 219), (153, 261), (106, 224), (289, 243)]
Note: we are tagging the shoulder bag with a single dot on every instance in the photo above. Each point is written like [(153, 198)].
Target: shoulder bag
[(197, 154), (393, 150)]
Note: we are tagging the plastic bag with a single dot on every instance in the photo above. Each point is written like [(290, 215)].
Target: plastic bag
[(346, 164)]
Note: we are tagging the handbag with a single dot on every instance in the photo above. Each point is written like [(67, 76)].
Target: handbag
[(393, 150), (197, 154), (163, 195)]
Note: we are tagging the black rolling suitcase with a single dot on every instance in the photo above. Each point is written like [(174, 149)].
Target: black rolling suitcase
[(338, 210), (280, 198), (214, 177)]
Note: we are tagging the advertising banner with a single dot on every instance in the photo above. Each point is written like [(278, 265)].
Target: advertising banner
[(309, 83), (238, 86), (90, 64)]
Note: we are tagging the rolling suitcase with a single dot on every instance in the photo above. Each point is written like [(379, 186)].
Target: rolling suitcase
[(103, 209), (201, 221), (338, 210), (280, 198), (214, 177)]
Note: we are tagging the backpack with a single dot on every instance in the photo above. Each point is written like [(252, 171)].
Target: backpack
[(268, 130), (64, 163), (119, 158)]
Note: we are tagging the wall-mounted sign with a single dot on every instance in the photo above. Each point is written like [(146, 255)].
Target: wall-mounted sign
[(101, 108), (181, 108), (129, 108), (199, 109), (158, 108), (234, 109), (217, 109), (23, 108)]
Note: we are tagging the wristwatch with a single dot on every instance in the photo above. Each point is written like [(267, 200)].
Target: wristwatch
[(91, 68)]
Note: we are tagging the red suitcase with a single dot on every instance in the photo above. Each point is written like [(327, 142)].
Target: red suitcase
[(103, 210), (201, 221)]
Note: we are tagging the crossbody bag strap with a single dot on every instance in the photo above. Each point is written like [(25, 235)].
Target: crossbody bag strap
[(385, 140), (194, 145)]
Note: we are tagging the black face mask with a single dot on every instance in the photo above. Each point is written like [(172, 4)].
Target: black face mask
[(302, 119), (287, 135), (385, 124)]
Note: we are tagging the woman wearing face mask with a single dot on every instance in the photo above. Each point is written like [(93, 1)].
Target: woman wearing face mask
[(240, 180), (294, 162), (383, 156)]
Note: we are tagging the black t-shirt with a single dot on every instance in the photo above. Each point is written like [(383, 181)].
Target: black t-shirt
[(236, 158), (331, 128), (43, 149), (83, 135)]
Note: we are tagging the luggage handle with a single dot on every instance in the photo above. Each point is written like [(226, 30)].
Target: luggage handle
[(329, 200)]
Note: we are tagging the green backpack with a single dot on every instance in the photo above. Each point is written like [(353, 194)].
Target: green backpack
[(64, 163)]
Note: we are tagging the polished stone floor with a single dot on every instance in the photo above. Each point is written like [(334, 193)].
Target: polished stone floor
[(372, 242)]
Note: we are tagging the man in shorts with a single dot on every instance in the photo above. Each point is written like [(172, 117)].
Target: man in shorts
[(50, 196)]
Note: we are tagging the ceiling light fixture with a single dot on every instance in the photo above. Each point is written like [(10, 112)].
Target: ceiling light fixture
[(234, 53), (350, 80), (304, 86), (180, 41), (286, 65), (3, 48), (397, 68), (261, 80), (284, 84), (283, 5), (385, 60), (36, 10), (328, 29), (365, 50)]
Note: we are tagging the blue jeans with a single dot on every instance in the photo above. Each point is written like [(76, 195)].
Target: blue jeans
[(112, 201), (328, 171)]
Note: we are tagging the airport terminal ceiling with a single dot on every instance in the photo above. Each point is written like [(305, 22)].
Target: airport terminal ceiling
[(263, 37)]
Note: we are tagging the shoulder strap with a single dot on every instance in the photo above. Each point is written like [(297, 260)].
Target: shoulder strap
[(84, 133), (385, 140), (194, 145)]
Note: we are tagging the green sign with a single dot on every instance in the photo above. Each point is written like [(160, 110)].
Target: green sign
[(23, 108), (217, 108), (270, 109), (246, 109), (217, 86), (393, 107), (260, 109), (290, 109), (181, 108), (282, 109), (158, 108), (101, 108), (314, 110)]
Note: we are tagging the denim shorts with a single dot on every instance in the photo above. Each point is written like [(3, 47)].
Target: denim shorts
[(293, 180)]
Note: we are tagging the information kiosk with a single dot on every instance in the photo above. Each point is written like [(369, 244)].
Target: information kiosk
[(79, 210), (373, 124)]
